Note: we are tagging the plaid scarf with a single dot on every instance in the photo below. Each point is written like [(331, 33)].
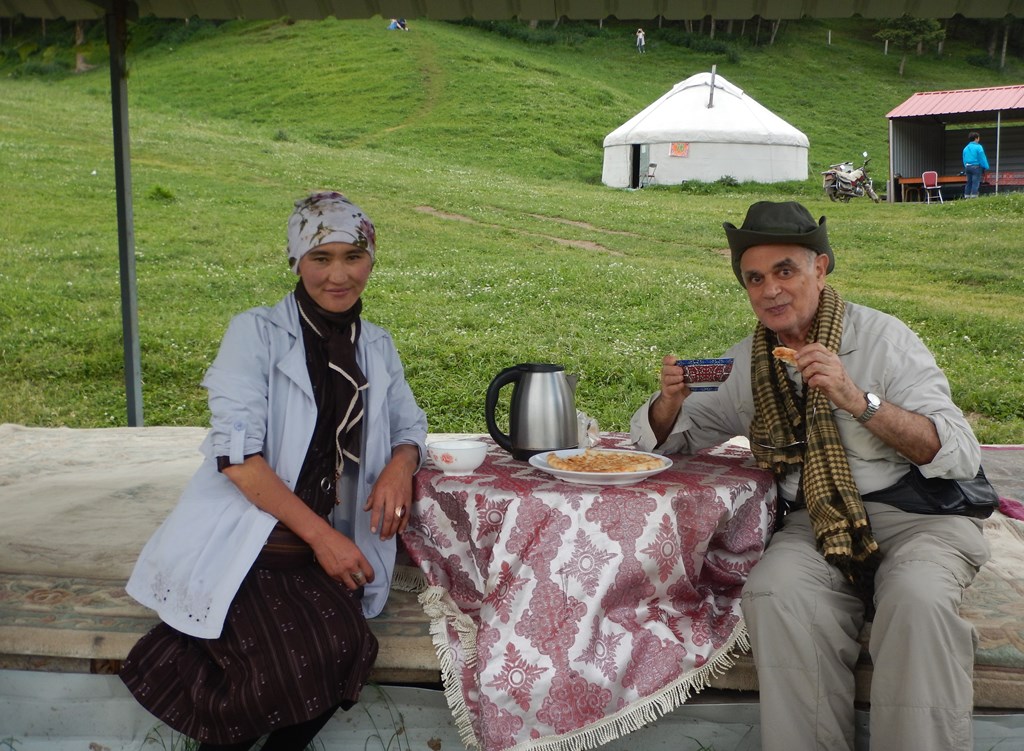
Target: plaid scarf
[(791, 430)]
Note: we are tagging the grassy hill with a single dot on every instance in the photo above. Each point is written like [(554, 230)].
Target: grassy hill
[(534, 110), (479, 157)]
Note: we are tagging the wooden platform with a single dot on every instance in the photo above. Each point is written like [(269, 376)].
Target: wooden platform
[(78, 505)]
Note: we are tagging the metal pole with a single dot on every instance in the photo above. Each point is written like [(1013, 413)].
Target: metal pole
[(117, 37), (890, 185), (711, 96), (999, 134)]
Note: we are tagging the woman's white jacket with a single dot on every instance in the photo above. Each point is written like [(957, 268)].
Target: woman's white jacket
[(261, 399)]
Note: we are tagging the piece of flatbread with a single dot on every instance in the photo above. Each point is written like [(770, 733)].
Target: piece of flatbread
[(786, 354), (604, 461)]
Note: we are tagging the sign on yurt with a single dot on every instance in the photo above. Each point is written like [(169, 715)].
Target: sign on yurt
[(704, 129)]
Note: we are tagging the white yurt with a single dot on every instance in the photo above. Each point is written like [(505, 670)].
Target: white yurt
[(704, 129)]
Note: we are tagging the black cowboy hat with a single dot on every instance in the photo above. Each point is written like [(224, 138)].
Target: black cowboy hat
[(783, 223)]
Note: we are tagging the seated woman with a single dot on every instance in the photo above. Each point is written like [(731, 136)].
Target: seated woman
[(283, 543)]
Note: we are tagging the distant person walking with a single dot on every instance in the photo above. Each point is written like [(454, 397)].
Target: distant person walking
[(975, 164), (641, 41)]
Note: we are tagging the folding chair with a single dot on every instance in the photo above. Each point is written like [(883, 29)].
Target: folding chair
[(929, 183), (648, 179)]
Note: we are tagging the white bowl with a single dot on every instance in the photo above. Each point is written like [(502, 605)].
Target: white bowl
[(457, 457)]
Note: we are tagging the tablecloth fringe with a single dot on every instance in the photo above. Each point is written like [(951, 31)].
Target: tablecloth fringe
[(650, 708), (408, 579), (442, 611)]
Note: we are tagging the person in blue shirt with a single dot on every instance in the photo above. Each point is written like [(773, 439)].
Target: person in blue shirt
[(975, 163)]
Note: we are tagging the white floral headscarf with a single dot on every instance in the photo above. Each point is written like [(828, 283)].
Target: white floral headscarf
[(326, 217)]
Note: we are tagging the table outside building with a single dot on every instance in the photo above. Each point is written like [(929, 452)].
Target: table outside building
[(911, 188), (567, 615)]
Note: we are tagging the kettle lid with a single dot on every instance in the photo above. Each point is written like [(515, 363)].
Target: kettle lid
[(539, 367)]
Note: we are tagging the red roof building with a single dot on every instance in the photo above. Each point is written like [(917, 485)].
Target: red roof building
[(929, 130)]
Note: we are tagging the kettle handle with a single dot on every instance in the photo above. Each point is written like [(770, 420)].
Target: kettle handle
[(508, 375)]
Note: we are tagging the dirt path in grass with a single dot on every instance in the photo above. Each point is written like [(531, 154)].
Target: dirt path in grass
[(433, 80)]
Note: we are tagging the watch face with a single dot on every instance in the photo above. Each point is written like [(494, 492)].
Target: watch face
[(873, 401)]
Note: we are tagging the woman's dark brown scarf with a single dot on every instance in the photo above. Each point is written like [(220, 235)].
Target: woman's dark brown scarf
[(339, 386), (790, 430)]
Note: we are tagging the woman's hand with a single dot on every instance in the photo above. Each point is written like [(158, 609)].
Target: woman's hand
[(390, 500), (341, 558)]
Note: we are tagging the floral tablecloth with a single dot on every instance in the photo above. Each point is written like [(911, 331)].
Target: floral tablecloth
[(567, 615)]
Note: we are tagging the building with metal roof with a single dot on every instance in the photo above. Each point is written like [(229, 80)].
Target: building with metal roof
[(929, 131)]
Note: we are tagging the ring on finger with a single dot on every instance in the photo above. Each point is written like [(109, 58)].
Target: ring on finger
[(358, 577), (400, 512)]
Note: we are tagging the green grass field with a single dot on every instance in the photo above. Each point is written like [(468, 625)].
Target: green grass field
[(479, 158)]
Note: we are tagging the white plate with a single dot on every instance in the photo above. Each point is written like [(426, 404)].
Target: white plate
[(540, 461)]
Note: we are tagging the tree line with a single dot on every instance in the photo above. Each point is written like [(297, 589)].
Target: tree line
[(995, 40)]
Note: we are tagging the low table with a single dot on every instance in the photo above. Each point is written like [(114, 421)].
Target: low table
[(566, 615), (913, 186)]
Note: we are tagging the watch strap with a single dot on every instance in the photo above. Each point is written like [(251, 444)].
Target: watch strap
[(873, 404)]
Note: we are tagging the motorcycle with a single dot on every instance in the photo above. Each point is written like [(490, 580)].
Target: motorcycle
[(841, 182)]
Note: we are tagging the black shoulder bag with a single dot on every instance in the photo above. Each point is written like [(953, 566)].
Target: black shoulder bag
[(935, 495)]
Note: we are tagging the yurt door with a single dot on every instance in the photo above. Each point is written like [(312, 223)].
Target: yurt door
[(639, 157)]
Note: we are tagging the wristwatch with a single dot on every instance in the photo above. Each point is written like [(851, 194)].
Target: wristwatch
[(873, 404)]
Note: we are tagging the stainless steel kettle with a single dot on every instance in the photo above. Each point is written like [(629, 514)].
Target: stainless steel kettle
[(542, 414)]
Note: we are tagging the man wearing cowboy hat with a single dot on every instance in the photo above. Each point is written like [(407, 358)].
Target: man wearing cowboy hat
[(864, 408)]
